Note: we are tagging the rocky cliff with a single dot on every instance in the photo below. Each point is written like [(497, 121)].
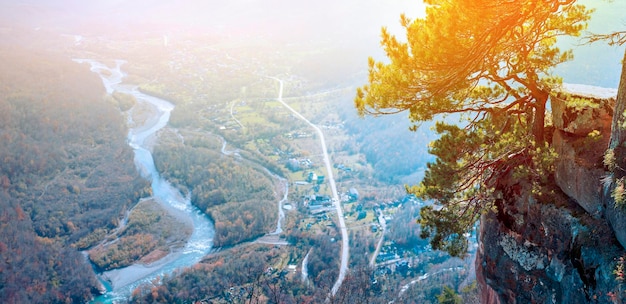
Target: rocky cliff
[(563, 244)]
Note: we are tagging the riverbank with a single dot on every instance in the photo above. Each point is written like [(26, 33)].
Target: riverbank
[(151, 116), (119, 278), (151, 232)]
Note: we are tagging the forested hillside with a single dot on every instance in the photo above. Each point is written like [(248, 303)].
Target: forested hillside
[(66, 175), (385, 140), (239, 197)]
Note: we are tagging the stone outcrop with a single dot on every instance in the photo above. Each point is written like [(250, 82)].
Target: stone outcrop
[(581, 121), (577, 174), (616, 216), (581, 137), (532, 252), (579, 169), (560, 247), (543, 253)]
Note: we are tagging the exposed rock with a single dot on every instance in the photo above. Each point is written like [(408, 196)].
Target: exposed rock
[(581, 137), (579, 168), (487, 294), (582, 121), (616, 216), (562, 246), (559, 254)]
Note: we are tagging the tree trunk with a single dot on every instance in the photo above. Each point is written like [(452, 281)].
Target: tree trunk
[(618, 133), (540, 119)]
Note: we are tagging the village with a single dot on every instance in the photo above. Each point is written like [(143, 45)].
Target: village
[(377, 214), (369, 217)]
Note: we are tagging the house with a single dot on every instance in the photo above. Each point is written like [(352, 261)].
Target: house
[(353, 194), (315, 207), (323, 199), (306, 163), (385, 256), (316, 202), (292, 267)]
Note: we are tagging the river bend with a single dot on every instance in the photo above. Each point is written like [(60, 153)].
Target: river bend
[(121, 282)]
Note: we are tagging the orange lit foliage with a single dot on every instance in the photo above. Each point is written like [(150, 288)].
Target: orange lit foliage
[(488, 61)]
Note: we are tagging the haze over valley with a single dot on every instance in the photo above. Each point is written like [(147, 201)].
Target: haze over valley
[(205, 151)]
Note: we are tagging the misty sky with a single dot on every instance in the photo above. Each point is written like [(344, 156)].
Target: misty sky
[(263, 17), (352, 22)]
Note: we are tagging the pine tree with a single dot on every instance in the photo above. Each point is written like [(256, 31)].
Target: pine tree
[(489, 62)]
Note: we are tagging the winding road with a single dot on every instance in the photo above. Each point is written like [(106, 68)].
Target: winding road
[(406, 287), (232, 104), (281, 202), (383, 225), (345, 248)]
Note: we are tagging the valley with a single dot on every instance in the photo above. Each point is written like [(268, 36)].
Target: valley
[(267, 133), (196, 152)]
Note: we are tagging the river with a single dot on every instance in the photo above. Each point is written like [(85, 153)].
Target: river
[(121, 282)]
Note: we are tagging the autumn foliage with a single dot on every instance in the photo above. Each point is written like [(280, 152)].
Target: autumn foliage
[(65, 172)]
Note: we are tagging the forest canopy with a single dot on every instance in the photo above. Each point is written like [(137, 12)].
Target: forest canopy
[(237, 196), (66, 173)]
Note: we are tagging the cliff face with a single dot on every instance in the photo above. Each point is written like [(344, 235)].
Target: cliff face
[(562, 247)]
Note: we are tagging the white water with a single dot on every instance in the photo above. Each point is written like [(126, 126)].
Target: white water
[(124, 280)]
